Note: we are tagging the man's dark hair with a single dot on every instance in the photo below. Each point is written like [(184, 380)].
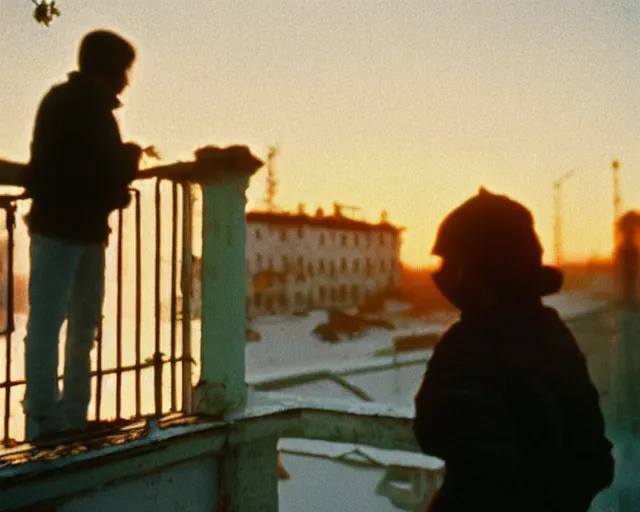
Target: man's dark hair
[(105, 53)]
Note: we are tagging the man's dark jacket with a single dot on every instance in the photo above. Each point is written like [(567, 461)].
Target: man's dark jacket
[(508, 404), (79, 170)]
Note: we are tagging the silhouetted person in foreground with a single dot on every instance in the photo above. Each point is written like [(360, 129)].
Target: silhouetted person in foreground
[(78, 174), (507, 401)]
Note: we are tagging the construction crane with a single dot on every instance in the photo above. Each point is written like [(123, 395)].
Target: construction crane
[(617, 201), (557, 200), (272, 183)]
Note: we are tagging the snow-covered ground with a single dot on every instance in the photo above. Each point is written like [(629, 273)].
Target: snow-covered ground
[(288, 344), (288, 348)]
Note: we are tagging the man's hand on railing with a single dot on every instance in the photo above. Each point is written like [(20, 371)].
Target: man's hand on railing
[(138, 152), (141, 155), (148, 152), (151, 152)]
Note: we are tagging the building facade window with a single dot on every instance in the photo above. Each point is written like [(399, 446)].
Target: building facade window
[(353, 257)]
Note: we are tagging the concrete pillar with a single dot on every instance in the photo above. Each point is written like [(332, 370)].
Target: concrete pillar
[(625, 412), (249, 477), (623, 418), (222, 381)]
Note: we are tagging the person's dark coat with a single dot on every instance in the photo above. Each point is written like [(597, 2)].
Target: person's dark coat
[(508, 404), (80, 169)]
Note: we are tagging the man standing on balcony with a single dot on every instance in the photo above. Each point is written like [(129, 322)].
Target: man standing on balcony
[(79, 173)]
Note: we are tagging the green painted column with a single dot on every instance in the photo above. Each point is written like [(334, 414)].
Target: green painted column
[(222, 381)]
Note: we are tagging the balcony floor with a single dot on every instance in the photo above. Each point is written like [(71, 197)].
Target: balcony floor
[(114, 434)]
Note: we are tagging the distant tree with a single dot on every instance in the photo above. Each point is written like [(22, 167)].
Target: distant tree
[(45, 11)]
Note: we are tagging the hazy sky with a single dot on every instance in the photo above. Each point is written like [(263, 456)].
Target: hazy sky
[(404, 105)]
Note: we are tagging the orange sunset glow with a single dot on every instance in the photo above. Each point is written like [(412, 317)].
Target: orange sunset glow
[(403, 106)]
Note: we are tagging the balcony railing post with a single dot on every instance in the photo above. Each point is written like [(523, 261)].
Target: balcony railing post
[(186, 286), (222, 382)]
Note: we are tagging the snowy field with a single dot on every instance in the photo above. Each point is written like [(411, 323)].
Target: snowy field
[(288, 345)]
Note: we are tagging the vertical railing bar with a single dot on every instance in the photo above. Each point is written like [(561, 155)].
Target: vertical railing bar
[(119, 318), (174, 275), (138, 306), (99, 369), (187, 288), (10, 222), (157, 356)]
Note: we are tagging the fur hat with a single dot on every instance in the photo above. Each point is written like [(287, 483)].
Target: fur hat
[(496, 236)]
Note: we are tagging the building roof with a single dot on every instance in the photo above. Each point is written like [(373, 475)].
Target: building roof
[(328, 222)]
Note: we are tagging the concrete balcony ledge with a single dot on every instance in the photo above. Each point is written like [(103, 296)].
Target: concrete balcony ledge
[(270, 416)]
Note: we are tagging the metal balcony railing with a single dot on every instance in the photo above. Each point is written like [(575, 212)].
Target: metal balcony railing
[(143, 360)]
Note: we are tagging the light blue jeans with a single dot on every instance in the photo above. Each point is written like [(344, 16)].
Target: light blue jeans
[(66, 281)]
